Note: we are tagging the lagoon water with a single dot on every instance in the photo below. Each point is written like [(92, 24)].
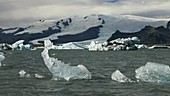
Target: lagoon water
[(100, 64)]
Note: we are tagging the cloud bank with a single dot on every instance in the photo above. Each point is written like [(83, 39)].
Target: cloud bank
[(19, 12)]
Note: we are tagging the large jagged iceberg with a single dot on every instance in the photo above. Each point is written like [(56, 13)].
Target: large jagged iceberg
[(70, 45), (119, 77), (18, 45), (60, 70), (153, 72), (117, 44), (95, 46), (2, 57)]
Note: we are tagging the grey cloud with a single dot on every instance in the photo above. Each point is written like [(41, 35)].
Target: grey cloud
[(155, 14), (14, 12)]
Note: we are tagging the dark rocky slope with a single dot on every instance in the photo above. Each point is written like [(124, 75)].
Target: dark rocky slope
[(148, 35)]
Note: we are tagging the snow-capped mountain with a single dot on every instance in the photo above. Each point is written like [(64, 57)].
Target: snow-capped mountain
[(78, 29)]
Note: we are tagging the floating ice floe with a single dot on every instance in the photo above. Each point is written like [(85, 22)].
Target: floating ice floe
[(70, 45), (95, 46), (119, 77), (38, 76), (18, 45), (141, 46), (153, 72), (23, 73), (60, 70), (2, 57), (117, 44), (159, 47)]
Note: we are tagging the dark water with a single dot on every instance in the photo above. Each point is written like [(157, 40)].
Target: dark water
[(100, 64)]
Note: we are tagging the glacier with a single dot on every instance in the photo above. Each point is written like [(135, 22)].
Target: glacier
[(2, 57), (60, 70), (56, 30), (153, 72), (119, 77)]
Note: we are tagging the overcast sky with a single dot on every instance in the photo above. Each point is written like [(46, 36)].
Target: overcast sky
[(20, 12)]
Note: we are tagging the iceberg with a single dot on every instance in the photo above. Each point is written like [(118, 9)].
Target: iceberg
[(70, 45), (159, 47), (126, 41), (25, 47), (23, 73), (60, 70), (95, 46), (153, 72), (18, 45), (2, 57), (117, 44), (39, 76), (119, 77), (141, 46)]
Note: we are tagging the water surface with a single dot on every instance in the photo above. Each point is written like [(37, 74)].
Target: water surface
[(100, 64)]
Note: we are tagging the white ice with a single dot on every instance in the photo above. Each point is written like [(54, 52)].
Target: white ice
[(119, 77), (17, 43), (153, 72), (2, 57), (117, 44), (39, 76), (95, 46), (60, 70), (23, 73), (70, 45)]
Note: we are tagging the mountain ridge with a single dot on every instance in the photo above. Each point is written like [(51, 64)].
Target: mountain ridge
[(148, 35), (89, 28)]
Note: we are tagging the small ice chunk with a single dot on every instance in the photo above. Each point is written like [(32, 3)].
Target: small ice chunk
[(119, 77), (25, 47), (95, 46), (38, 76), (60, 70), (23, 73), (2, 57), (153, 72)]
